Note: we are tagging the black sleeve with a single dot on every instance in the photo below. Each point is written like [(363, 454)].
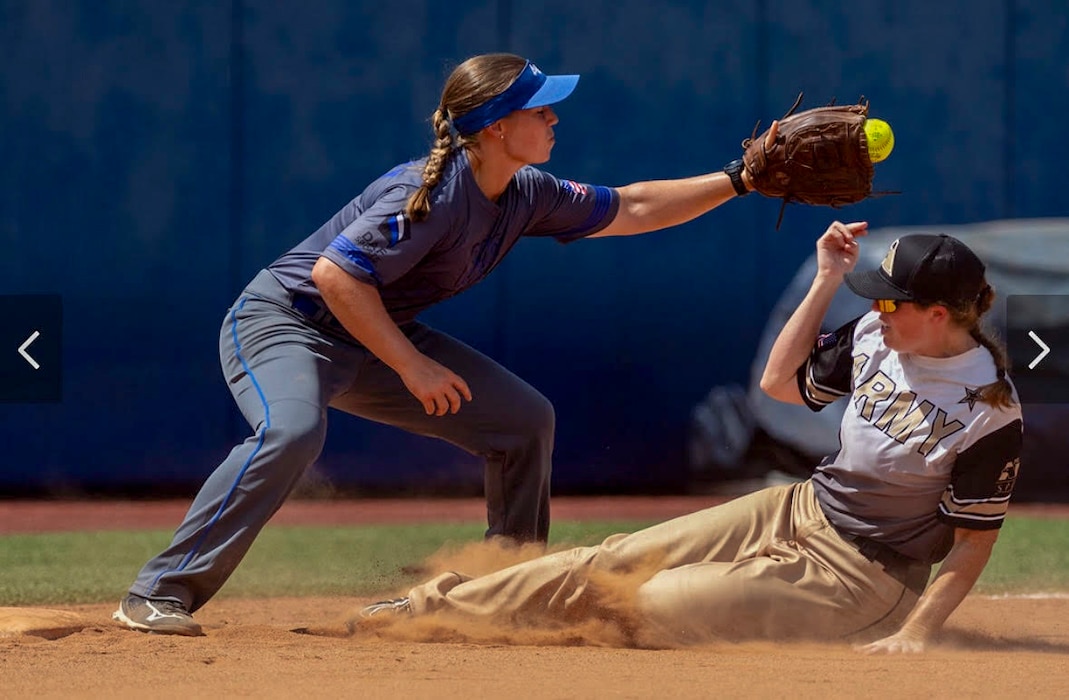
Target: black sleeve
[(828, 373), (982, 480)]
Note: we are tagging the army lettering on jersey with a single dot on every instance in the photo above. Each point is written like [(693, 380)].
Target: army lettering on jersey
[(923, 454), (902, 416)]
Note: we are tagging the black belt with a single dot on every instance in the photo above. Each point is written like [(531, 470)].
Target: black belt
[(876, 551), (316, 311), (903, 568)]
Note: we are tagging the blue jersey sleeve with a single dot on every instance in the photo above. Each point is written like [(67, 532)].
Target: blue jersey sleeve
[(565, 209), (382, 244)]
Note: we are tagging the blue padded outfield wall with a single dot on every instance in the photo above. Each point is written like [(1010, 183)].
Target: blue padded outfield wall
[(157, 153)]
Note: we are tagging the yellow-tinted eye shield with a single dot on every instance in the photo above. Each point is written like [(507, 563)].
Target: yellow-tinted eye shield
[(886, 305)]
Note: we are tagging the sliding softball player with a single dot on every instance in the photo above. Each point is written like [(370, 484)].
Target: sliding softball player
[(929, 455)]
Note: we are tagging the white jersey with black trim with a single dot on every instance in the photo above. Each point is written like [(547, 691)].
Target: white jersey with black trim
[(919, 454)]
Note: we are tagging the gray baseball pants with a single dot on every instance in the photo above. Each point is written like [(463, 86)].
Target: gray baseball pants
[(284, 370)]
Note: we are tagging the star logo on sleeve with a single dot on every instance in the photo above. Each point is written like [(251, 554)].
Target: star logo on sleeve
[(971, 397)]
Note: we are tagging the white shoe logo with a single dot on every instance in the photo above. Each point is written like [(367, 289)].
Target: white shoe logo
[(157, 615)]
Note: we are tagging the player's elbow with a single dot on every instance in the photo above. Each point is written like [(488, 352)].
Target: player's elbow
[(336, 285), (780, 388), (771, 379), (324, 272), (769, 385)]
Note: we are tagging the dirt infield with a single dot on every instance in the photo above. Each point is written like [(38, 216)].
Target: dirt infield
[(61, 516), (992, 647)]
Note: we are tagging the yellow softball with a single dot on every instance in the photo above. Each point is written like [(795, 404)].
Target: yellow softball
[(880, 139)]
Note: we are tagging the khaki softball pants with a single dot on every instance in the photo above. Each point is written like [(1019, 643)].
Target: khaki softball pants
[(765, 565)]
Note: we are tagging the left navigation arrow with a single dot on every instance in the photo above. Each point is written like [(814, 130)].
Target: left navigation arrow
[(31, 348), (25, 355)]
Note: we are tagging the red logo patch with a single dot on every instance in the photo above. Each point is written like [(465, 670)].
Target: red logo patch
[(573, 186)]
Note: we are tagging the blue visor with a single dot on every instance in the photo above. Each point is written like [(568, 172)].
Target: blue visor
[(531, 88)]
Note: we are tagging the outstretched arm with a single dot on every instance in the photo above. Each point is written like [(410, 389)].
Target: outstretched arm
[(837, 253), (656, 204), (955, 579)]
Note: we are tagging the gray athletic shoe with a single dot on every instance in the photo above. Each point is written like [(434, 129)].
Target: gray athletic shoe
[(397, 606), (159, 616)]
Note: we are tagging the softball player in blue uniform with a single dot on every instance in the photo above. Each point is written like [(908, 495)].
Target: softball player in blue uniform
[(928, 459), (332, 323)]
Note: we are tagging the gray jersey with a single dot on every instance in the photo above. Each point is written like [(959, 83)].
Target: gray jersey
[(415, 265), (920, 455)]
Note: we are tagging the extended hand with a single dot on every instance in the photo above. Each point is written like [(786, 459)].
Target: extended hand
[(897, 643), (438, 388), (773, 131), (770, 141), (837, 249)]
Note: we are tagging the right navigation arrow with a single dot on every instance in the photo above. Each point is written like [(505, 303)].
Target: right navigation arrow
[(1044, 349)]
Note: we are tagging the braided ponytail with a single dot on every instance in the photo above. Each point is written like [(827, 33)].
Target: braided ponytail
[(419, 204), (998, 393), (472, 83)]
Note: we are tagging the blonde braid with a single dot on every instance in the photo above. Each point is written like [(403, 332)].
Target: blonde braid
[(419, 204), (998, 393), (472, 83)]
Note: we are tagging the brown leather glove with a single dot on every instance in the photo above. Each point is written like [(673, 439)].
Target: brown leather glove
[(818, 156)]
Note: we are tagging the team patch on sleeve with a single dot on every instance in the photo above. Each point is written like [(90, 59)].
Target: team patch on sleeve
[(355, 255), (602, 205), (574, 187), (982, 480), (827, 374)]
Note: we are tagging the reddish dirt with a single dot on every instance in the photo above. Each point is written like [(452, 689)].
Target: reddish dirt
[(62, 516), (991, 647)]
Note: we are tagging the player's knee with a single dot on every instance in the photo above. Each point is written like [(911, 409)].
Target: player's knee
[(530, 430), (297, 432), (537, 419), (680, 610)]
